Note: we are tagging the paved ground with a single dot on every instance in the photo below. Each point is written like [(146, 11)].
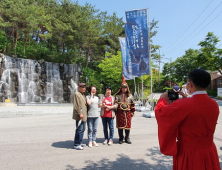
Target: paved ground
[(41, 137)]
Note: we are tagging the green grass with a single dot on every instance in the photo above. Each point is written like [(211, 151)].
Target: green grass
[(154, 100)]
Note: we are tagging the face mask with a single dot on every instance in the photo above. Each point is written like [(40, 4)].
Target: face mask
[(188, 90)]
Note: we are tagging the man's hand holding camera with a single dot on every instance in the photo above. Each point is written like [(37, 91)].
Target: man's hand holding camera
[(172, 96), (165, 95), (182, 94)]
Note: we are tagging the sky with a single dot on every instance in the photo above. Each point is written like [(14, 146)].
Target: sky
[(182, 23)]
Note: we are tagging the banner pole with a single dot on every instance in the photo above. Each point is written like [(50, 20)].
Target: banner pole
[(135, 84), (142, 89), (149, 47), (135, 93)]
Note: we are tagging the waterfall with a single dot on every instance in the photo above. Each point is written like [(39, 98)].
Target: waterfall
[(31, 81)]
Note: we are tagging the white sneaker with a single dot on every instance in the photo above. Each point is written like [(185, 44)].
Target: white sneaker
[(94, 144), (90, 144), (78, 147), (110, 142), (105, 142), (83, 145)]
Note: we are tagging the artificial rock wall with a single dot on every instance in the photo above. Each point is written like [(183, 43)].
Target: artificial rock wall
[(31, 81)]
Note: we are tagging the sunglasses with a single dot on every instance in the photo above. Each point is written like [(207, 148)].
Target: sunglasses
[(82, 87)]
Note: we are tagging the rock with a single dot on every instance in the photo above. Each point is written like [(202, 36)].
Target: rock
[(40, 61)]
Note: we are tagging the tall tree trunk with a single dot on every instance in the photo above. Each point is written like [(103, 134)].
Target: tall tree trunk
[(25, 41), (63, 47), (13, 38), (80, 52), (16, 39), (87, 61), (88, 56), (37, 37), (212, 81), (63, 44)]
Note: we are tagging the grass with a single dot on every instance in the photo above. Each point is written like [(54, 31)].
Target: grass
[(154, 100)]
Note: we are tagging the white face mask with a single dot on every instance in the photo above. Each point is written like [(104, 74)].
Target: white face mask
[(188, 90)]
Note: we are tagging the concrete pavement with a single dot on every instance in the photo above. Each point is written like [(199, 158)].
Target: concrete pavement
[(42, 138)]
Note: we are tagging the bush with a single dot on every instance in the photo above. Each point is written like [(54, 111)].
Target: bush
[(147, 92), (168, 88), (3, 41), (212, 93)]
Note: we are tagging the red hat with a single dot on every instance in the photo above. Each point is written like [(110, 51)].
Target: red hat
[(124, 84)]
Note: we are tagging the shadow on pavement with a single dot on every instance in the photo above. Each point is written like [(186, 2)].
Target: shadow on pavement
[(63, 144), (160, 162), (123, 162), (70, 143), (220, 156), (158, 157)]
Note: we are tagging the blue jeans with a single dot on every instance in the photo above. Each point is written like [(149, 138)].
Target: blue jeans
[(109, 121), (79, 133), (92, 123)]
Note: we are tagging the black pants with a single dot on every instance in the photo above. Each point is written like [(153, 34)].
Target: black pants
[(121, 137)]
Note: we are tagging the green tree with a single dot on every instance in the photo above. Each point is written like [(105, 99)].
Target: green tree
[(153, 25), (210, 56), (113, 28), (111, 71), (94, 78), (178, 70), (3, 41), (92, 30)]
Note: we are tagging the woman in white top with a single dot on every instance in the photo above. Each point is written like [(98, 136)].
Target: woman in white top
[(93, 116), (184, 90)]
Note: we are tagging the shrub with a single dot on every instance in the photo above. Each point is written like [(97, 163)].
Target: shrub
[(212, 93)]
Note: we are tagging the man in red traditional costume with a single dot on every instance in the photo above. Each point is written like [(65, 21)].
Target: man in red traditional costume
[(186, 127), (125, 111)]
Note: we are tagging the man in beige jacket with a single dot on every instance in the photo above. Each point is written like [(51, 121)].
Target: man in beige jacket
[(80, 115)]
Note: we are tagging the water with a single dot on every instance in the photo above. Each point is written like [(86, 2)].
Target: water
[(31, 81)]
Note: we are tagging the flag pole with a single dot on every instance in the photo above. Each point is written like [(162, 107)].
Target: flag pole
[(135, 93), (149, 47), (142, 89)]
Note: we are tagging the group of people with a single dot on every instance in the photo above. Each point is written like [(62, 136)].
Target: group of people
[(85, 109), (186, 126), (183, 91)]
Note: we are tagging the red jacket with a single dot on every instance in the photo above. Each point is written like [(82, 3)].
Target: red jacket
[(185, 130)]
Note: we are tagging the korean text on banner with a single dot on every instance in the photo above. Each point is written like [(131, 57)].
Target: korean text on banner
[(126, 60), (137, 40)]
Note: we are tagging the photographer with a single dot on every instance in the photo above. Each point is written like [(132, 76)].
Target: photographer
[(186, 126)]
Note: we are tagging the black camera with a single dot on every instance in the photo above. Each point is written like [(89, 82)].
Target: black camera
[(172, 95)]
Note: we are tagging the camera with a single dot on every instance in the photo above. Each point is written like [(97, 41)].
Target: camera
[(173, 95)]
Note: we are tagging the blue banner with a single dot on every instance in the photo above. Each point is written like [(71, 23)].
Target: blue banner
[(126, 60), (137, 37)]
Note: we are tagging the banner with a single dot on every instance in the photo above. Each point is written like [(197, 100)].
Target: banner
[(219, 92), (137, 37), (126, 60)]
